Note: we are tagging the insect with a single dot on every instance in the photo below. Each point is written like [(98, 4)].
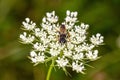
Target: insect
[(63, 35)]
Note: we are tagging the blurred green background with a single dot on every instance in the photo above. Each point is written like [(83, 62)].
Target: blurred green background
[(103, 16)]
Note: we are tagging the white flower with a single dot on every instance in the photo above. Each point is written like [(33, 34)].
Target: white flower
[(70, 45), (81, 29), (50, 37), (78, 67), (36, 58), (61, 47), (70, 20), (44, 20), (67, 53), (26, 39), (84, 47), (78, 39), (84, 26), (92, 55), (71, 16), (97, 40), (78, 56), (28, 25), (40, 33), (54, 52), (51, 17), (68, 13), (39, 47), (54, 45), (73, 34), (62, 62), (79, 33), (33, 54), (47, 41)]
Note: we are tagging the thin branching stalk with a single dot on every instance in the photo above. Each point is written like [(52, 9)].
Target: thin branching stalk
[(50, 70)]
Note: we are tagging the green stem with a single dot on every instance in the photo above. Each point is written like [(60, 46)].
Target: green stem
[(50, 69)]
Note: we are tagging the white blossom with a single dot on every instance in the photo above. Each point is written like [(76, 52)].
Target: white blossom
[(62, 62), (71, 16), (92, 55), (97, 40), (39, 47), (68, 13), (70, 20), (45, 41), (70, 46), (81, 29), (78, 56), (51, 17), (84, 26), (72, 32), (37, 58), (28, 25), (40, 33), (54, 52), (33, 54), (54, 45), (67, 53), (78, 39), (26, 39), (78, 67)]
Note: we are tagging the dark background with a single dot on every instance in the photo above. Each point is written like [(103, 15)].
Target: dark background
[(103, 16)]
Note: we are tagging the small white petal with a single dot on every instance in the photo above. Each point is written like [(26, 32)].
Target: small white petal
[(75, 14), (62, 62), (72, 14), (33, 54), (78, 67), (78, 56), (98, 35), (44, 19), (53, 13), (27, 20), (28, 25), (68, 12), (33, 60), (92, 55), (48, 14)]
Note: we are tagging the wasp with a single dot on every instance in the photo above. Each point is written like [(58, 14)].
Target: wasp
[(63, 35)]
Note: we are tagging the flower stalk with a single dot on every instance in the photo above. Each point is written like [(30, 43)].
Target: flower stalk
[(50, 70)]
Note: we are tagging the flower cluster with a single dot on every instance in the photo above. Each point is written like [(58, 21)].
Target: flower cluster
[(75, 53)]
